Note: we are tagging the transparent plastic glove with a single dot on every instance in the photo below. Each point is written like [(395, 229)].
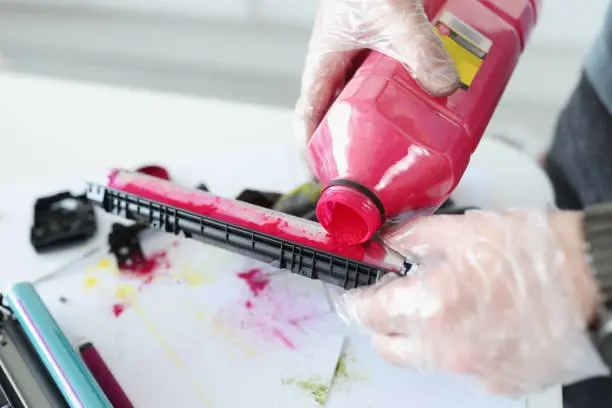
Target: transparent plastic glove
[(502, 297), (398, 28)]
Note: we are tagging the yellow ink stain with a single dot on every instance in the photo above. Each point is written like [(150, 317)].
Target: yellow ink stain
[(248, 349), (158, 337), (200, 315), (90, 282), (104, 263), (192, 278), (163, 343), (126, 293), (221, 329), (251, 352), (227, 331)]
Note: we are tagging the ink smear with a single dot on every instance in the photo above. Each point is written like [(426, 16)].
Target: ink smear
[(147, 266), (143, 267), (256, 280), (274, 310)]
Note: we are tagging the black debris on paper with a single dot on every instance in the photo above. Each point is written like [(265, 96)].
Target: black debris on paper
[(124, 244)]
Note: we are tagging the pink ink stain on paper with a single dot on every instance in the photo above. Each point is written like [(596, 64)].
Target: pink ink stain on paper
[(147, 266), (283, 338), (271, 312), (256, 280), (147, 269), (118, 309)]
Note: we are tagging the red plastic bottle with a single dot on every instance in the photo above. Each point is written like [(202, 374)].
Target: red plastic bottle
[(387, 150)]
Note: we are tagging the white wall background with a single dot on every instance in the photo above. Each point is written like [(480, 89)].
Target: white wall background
[(570, 22), (253, 50)]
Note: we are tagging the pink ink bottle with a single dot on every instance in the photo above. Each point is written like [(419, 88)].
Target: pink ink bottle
[(386, 150)]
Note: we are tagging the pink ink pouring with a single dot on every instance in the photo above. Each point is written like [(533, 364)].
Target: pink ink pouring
[(299, 245), (387, 150)]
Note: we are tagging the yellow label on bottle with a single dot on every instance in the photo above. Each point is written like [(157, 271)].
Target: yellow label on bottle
[(467, 47)]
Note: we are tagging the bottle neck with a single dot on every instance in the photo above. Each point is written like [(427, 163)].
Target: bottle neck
[(349, 215)]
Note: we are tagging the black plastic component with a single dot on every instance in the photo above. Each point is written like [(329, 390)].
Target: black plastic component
[(202, 187), (449, 203), (124, 244), (61, 220), (259, 198), (311, 216), (295, 203), (301, 202), (299, 259), (450, 208), (455, 210)]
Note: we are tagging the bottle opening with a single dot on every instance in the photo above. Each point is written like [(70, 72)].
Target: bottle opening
[(348, 215), (344, 223)]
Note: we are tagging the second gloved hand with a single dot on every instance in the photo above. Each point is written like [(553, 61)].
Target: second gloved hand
[(505, 298), (343, 28)]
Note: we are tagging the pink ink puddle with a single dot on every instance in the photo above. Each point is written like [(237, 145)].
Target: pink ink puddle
[(272, 311), (148, 268), (118, 309)]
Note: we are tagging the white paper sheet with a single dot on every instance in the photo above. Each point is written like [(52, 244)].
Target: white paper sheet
[(184, 336)]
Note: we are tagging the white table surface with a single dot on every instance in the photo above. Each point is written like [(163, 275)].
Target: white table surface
[(54, 134)]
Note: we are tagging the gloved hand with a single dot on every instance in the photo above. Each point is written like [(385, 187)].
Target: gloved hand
[(398, 28), (505, 298)]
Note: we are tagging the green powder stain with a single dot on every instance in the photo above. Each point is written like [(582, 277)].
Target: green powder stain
[(312, 386), (341, 371)]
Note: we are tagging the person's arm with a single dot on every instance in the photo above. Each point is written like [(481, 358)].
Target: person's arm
[(579, 160), (505, 297)]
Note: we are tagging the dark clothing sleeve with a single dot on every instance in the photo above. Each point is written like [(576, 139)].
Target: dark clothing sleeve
[(579, 165), (579, 162)]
